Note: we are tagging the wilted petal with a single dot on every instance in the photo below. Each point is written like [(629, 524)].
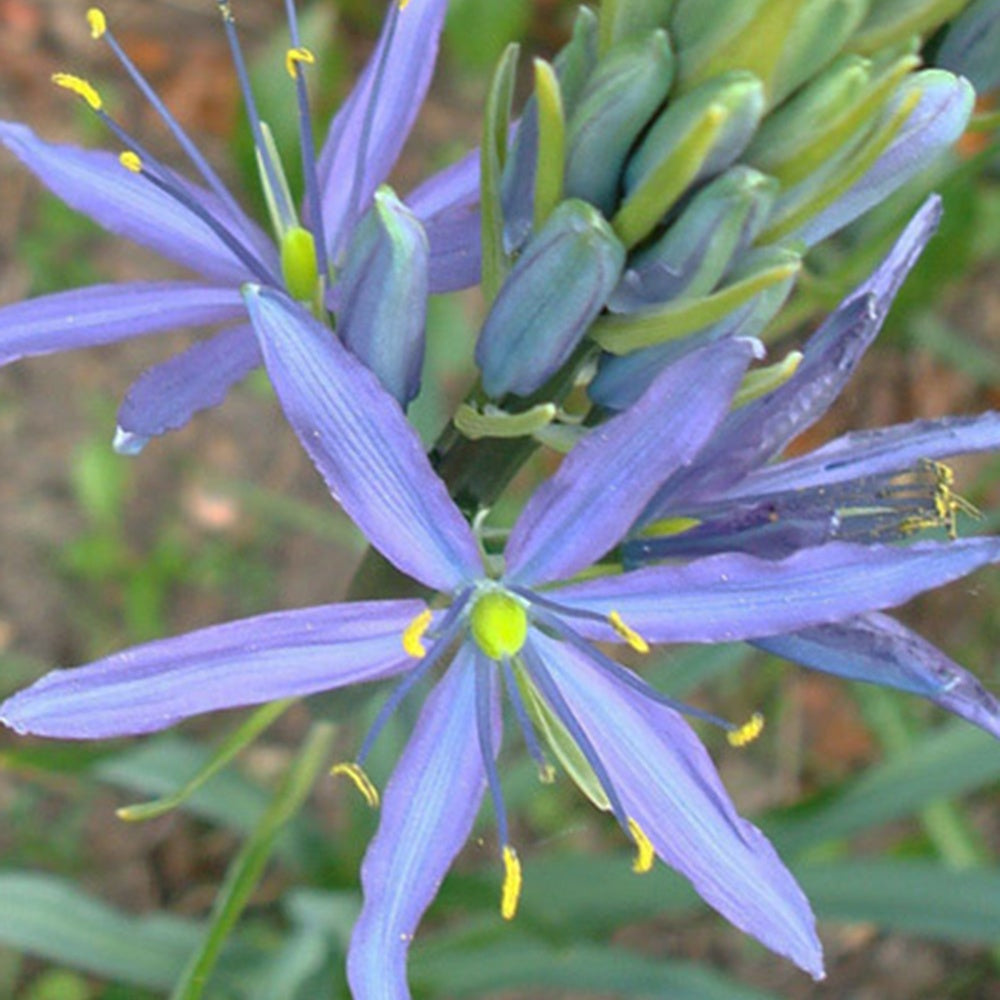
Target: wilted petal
[(669, 786), (166, 396), (587, 506), (358, 437), (877, 649), (734, 596), (96, 184), (280, 655), (104, 314), (428, 810), (368, 132)]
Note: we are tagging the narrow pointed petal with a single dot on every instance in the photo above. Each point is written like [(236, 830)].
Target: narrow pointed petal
[(734, 596), (428, 810), (754, 434), (248, 662), (104, 314), (96, 184), (168, 395), (877, 649), (606, 480), (875, 452), (358, 438), (669, 786), (383, 104)]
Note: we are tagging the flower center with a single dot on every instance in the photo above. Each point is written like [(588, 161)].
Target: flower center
[(499, 624)]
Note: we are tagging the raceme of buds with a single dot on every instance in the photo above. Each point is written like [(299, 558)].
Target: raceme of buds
[(971, 45), (557, 287), (892, 22)]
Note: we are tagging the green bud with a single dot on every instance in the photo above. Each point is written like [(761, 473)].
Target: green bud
[(696, 136), (627, 87), (623, 19), (890, 22)]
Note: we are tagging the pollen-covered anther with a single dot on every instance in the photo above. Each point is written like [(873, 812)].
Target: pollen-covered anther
[(131, 162), (295, 56), (403, 4), (77, 85), (413, 634), (742, 736), (360, 780), (512, 879), (499, 624), (645, 855), (629, 634), (97, 22)]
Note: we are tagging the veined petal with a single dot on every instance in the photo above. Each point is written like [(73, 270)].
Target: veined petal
[(368, 132), (358, 437), (877, 649), (95, 183), (876, 452), (428, 810), (104, 314), (669, 786), (755, 433), (280, 655), (606, 480), (166, 396), (735, 596)]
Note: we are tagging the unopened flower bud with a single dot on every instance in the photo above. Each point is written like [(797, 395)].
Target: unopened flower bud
[(971, 46), (890, 22)]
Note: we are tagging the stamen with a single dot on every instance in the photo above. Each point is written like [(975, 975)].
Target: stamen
[(295, 56), (403, 4), (645, 855), (80, 87), (97, 22), (414, 633), (131, 161), (744, 735), (546, 772), (512, 880), (632, 637), (355, 772)]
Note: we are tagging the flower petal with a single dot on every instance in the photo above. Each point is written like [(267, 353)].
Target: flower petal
[(96, 184), (104, 314), (877, 649), (876, 452), (587, 506), (280, 655), (166, 396), (669, 786), (368, 132), (735, 596), (428, 810), (358, 437), (755, 433)]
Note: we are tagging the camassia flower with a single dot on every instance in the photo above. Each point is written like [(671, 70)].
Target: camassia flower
[(517, 622), (201, 226)]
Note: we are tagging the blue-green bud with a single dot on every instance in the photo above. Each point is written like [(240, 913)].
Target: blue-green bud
[(690, 258), (890, 22), (624, 19), (620, 98), (383, 295), (972, 45), (554, 292)]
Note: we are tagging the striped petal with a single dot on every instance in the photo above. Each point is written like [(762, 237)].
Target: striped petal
[(248, 662)]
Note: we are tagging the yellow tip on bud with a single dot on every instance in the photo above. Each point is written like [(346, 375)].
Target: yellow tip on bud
[(512, 879), (360, 780), (748, 732), (80, 87), (97, 22), (644, 853), (295, 56), (130, 161), (414, 633), (630, 635)]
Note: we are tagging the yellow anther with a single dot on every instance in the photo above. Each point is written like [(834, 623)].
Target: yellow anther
[(97, 22), (131, 161), (644, 853), (403, 4), (512, 879), (80, 87), (630, 635), (414, 633), (295, 56), (361, 781), (748, 732)]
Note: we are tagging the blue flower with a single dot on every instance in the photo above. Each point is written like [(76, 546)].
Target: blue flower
[(517, 623), (201, 227)]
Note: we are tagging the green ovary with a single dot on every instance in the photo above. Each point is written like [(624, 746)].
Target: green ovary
[(298, 264), (499, 624)]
